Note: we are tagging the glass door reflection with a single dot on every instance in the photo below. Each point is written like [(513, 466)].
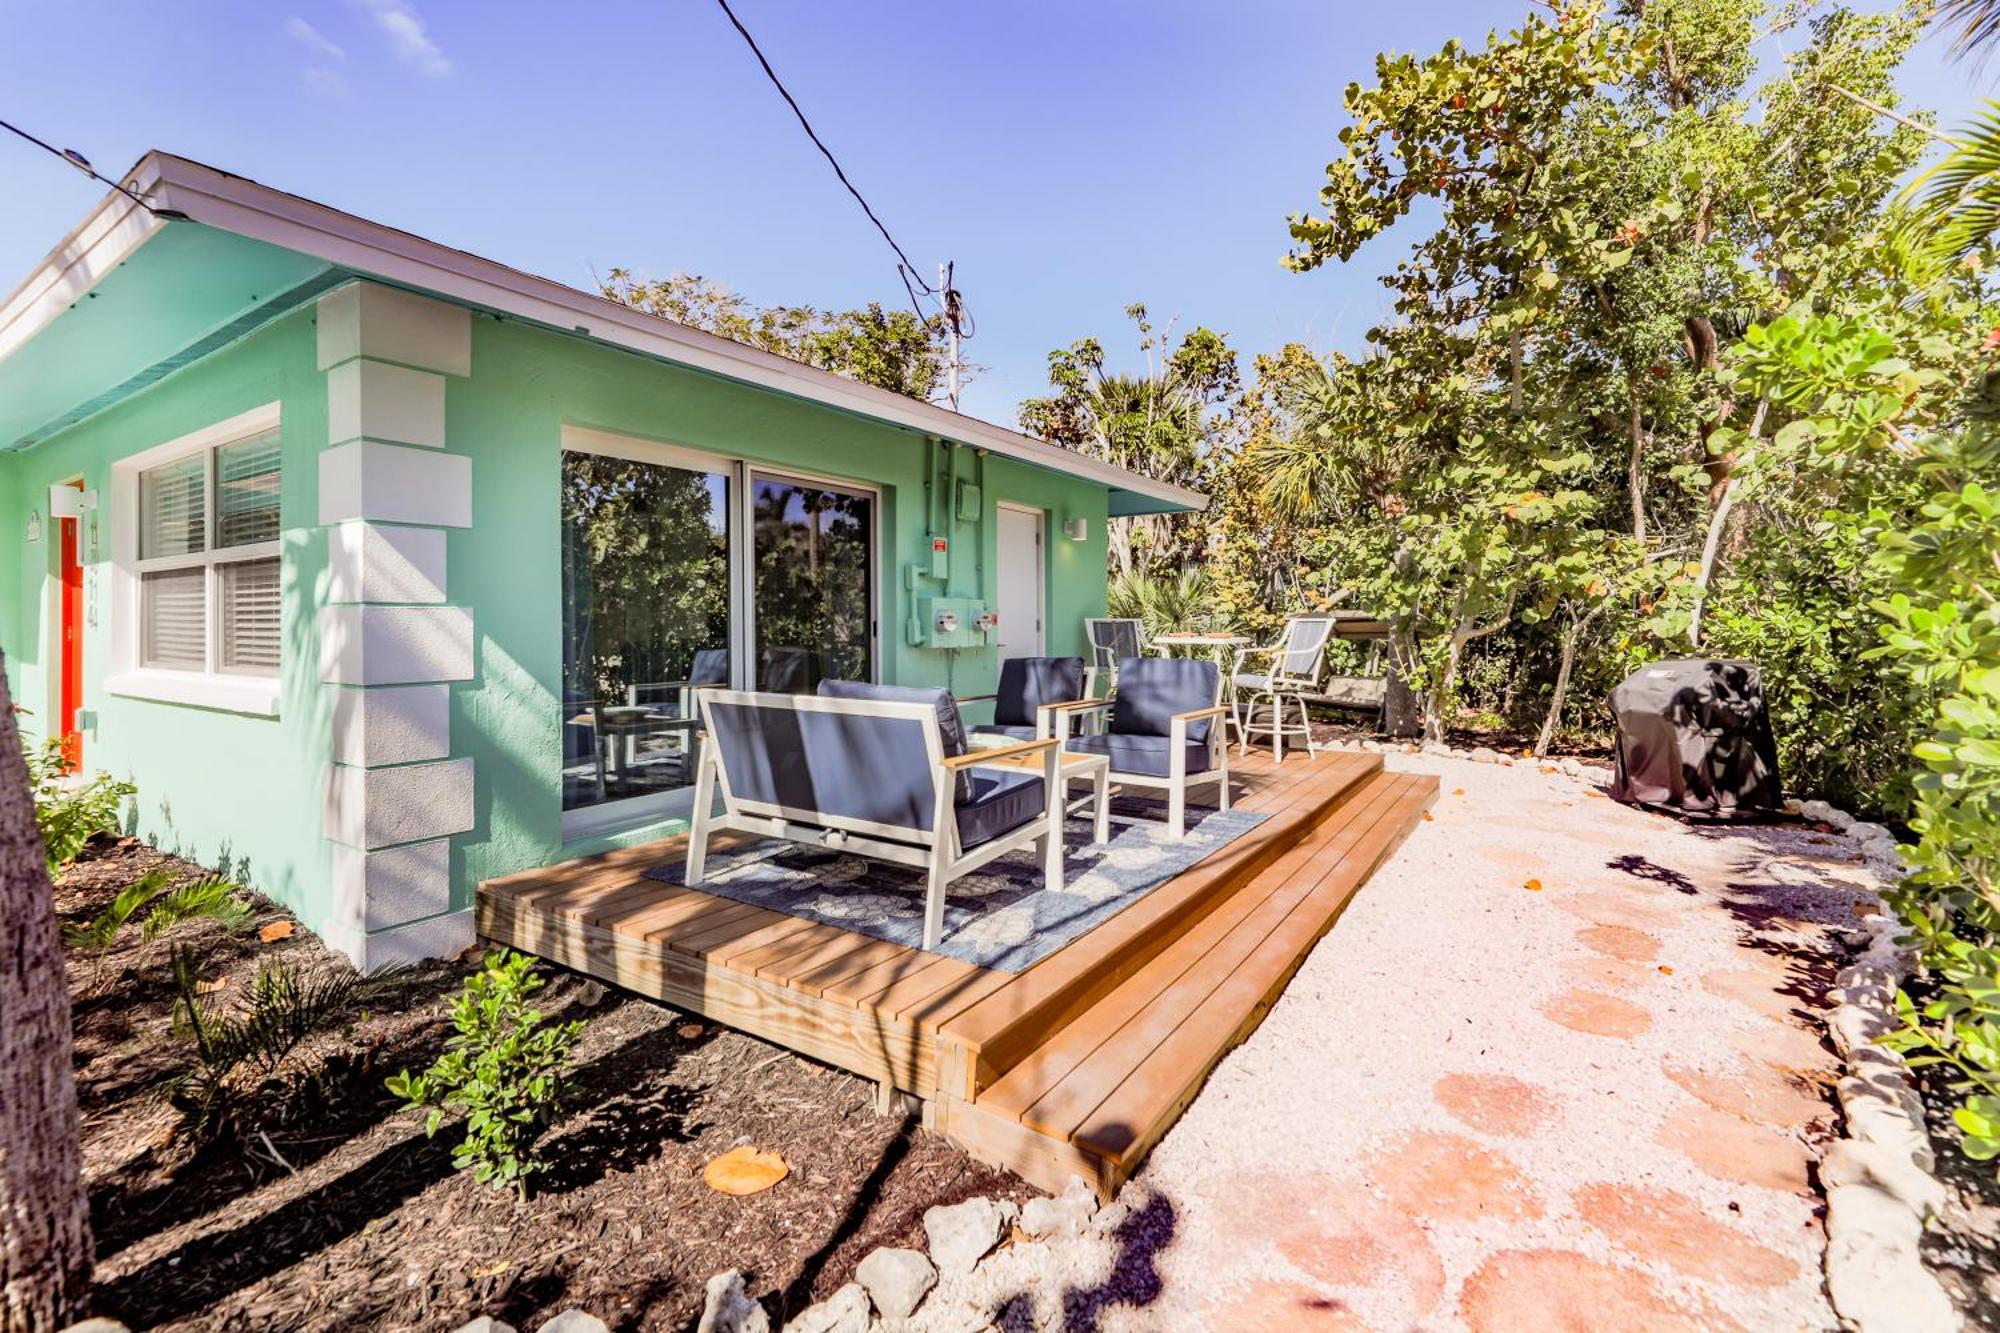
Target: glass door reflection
[(814, 558), (646, 621)]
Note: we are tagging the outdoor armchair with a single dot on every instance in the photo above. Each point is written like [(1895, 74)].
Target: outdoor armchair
[(1292, 671), (1028, 686), (877, 770), (1112, 640), (1165, 732)]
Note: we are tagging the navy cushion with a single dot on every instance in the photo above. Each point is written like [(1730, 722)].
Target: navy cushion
[(1011, 732), (1026, 683), (872, 768), (1000, 802), (711, 667), (950, 725), (1148, 755), (1152, 689)]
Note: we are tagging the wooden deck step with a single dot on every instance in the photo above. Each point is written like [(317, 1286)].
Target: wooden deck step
[(991, 1037), (1112, 1080)]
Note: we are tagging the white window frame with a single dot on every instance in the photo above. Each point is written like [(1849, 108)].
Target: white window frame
[(249, 692)]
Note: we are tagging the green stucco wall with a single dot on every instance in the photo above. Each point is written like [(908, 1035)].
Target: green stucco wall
[(526, 385), (225, 789), (244, 791)]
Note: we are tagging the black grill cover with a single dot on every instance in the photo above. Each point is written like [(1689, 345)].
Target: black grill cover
[(1693, 736)]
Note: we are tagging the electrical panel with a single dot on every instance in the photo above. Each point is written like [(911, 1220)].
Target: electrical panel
[(951, 622)]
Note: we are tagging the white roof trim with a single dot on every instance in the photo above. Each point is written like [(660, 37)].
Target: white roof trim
[(97, 246), (235, 204)]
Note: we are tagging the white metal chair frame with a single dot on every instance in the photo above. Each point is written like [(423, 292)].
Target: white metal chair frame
[(1104, 656), (935, 849), (1297, 660), (1178, 779)]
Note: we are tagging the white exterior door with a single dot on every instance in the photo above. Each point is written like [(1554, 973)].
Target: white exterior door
[(1020, 600)]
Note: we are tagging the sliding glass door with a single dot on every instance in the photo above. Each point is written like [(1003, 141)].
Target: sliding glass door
[(646, 599), (680, 570), (815, 582)]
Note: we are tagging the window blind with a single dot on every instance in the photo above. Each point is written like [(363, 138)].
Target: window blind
[(246, 491), (174, 618), (249, 606), (173, 517)]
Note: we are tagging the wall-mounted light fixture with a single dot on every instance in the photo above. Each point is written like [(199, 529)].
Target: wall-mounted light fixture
[(1076, 529), (68, 502)]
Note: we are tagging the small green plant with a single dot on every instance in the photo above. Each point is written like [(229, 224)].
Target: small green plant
[(70, 809), (246, 1061), (504, 1066), (165, 905)]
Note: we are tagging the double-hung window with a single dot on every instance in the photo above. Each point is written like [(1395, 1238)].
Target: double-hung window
[(207, 560)]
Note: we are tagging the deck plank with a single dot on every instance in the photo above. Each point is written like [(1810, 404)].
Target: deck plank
[(1176, 1063), (1083, 1064)]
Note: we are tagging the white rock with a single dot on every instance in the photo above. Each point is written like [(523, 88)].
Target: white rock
[(897, 1280), (574, 1321), (1065, 1215), (1882, 1108), (1484, 754), (1861, 831), (1823, 813), (960, 1235), (1886, 1170), (729, 1308), (100, 1324), (846, 1311), (1110, 1217), (1875, 1274)]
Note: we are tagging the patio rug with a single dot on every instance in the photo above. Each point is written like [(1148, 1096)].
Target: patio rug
[(999, 916)]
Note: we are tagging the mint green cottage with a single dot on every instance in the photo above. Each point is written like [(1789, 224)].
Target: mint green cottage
[(383, 569)]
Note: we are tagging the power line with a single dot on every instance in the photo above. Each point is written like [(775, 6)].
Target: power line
[(904, 269), (82, 163)]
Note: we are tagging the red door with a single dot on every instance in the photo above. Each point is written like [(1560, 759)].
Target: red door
[(70, 687)]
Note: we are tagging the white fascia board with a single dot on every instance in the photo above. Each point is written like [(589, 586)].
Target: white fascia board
[(100, 243), (262, 213)]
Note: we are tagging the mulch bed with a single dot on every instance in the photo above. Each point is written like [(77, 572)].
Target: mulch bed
[(339, 1213)]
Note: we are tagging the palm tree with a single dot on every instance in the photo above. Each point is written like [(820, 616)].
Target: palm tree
[(45, 1252), (1977, 21)]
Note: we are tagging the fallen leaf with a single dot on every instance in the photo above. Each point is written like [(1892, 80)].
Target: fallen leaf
[(1427, 816), (689, 1031), (1665, 970), (276, 930), (472, 954), (1458, 791), (203, 986), (745, 1170), (1533, 886)]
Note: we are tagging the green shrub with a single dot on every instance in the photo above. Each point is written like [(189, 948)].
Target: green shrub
[(504, 1067), (70, 810), (246, 1063), (165, 904)]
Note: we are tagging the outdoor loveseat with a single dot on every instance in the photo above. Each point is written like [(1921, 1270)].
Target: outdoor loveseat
[(877, 770)]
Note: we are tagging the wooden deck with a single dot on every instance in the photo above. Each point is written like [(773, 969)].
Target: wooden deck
[(1075, 1066)]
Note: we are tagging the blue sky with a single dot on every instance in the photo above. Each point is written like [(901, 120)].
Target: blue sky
[(1072, 157)]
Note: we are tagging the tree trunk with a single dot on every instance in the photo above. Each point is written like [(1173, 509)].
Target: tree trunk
[(1557, 697), (45, 1253), (1710, 545), (1118, 544), (1635, 471)]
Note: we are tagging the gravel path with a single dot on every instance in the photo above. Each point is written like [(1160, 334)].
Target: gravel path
[(1557, 1067)]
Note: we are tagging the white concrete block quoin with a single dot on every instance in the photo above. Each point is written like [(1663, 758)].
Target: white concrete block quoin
[(391, 724), (377, 401), (381, 807), (375, 562), (394, 645), (392, 887), (366, 319), (394, 483)]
